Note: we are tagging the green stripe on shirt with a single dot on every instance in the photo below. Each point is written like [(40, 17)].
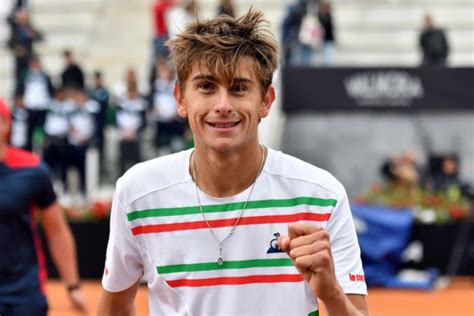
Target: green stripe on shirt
[(161, 212), (315, 313), (209, 266)]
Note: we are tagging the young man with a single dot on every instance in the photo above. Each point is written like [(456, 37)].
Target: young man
[(24, 186), (203, 226)]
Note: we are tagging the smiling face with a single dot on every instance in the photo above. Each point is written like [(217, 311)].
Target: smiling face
[(224, 115)]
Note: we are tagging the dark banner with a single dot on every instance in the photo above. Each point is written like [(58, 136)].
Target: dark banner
[(406, 89)]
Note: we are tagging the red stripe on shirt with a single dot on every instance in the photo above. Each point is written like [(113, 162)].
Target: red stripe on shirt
[(252, 220), (251, 279), (42, 270)]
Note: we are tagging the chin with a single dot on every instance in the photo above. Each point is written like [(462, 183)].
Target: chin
[(224, 146)]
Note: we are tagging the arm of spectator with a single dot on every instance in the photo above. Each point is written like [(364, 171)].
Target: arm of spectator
[(50, 86), (445, 44), (36, 36), (63, 252), (143, 115)]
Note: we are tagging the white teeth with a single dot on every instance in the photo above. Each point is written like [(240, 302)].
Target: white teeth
[(223, 125)]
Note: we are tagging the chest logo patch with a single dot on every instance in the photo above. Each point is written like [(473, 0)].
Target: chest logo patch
[(273, 244)]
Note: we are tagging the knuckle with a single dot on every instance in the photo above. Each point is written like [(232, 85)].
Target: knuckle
[(292, 254), (299, 262), (324, 235), (326, 246), (325, 259)]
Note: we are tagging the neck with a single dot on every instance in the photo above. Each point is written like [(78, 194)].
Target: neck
[(3, 152), (226, 174)]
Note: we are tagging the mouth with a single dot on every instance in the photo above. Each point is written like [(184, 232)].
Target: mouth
[(223, 124)]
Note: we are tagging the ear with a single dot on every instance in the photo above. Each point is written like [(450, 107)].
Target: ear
[(179, 96), (267, 102)]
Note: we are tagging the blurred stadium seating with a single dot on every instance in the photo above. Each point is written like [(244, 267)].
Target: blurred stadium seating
[(114, 34)]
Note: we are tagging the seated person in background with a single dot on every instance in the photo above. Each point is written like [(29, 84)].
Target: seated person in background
[(402, 169), (402, 175), (444, 174)]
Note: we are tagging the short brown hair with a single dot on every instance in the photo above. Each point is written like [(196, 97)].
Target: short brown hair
[(220, 43)]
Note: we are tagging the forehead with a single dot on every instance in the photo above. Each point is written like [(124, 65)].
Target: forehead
[(245, 68)]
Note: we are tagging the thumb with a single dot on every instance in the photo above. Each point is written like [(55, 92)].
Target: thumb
[(284, 243)]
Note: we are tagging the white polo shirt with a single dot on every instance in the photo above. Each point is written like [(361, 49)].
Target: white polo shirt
[(157, 231)]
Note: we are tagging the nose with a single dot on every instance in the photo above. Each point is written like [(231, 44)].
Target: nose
[(223, 105)]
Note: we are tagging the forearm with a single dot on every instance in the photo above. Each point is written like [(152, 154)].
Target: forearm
[(63, 252), (339, 304), (118, 303), (115, 308)]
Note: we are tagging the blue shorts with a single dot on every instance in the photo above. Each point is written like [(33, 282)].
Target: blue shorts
[(35, 306)]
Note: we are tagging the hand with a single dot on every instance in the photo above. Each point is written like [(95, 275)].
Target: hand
[(129, 134), (310, 249), (78, 300)]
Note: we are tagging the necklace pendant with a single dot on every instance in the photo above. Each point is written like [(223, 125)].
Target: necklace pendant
[(220, 261)]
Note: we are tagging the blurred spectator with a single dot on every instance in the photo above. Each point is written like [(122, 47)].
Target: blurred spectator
[(443, 175), (290, 30), (57, 150), (402, 175), (169, 132), (402, 169), (25, 188), (37, 92), (435, 193), (160, 9), (131, 121), (21, 4), (21, 42), (121, 89), (81, 135), (19, 130), (179, 16), (302, 33), (433, 44), (325, 18), (100, 93), (72, 75), (226, 7)]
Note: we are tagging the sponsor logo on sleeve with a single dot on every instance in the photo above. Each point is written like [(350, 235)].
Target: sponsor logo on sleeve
[(356, 277)]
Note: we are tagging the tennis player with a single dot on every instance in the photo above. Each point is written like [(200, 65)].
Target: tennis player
[(230, 227)]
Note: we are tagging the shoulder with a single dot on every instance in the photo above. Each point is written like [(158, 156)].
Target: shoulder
[(294, 169), (154, 175), (30, 167), (18, 158)]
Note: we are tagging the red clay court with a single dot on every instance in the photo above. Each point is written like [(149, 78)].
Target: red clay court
[(457, 300)]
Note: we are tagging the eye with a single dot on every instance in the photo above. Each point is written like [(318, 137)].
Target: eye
[(239, 88), (206, 86)]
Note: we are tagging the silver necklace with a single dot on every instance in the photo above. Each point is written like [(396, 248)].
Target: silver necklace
[(220, 259)]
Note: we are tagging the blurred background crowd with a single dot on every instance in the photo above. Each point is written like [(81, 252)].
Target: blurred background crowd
[(91, 90)]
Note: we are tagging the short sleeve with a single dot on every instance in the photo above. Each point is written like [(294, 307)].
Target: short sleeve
[(43, 188), (123, 263), (345, 248)]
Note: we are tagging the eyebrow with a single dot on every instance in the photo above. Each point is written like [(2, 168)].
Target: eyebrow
[(204, 77), (213, 79)]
